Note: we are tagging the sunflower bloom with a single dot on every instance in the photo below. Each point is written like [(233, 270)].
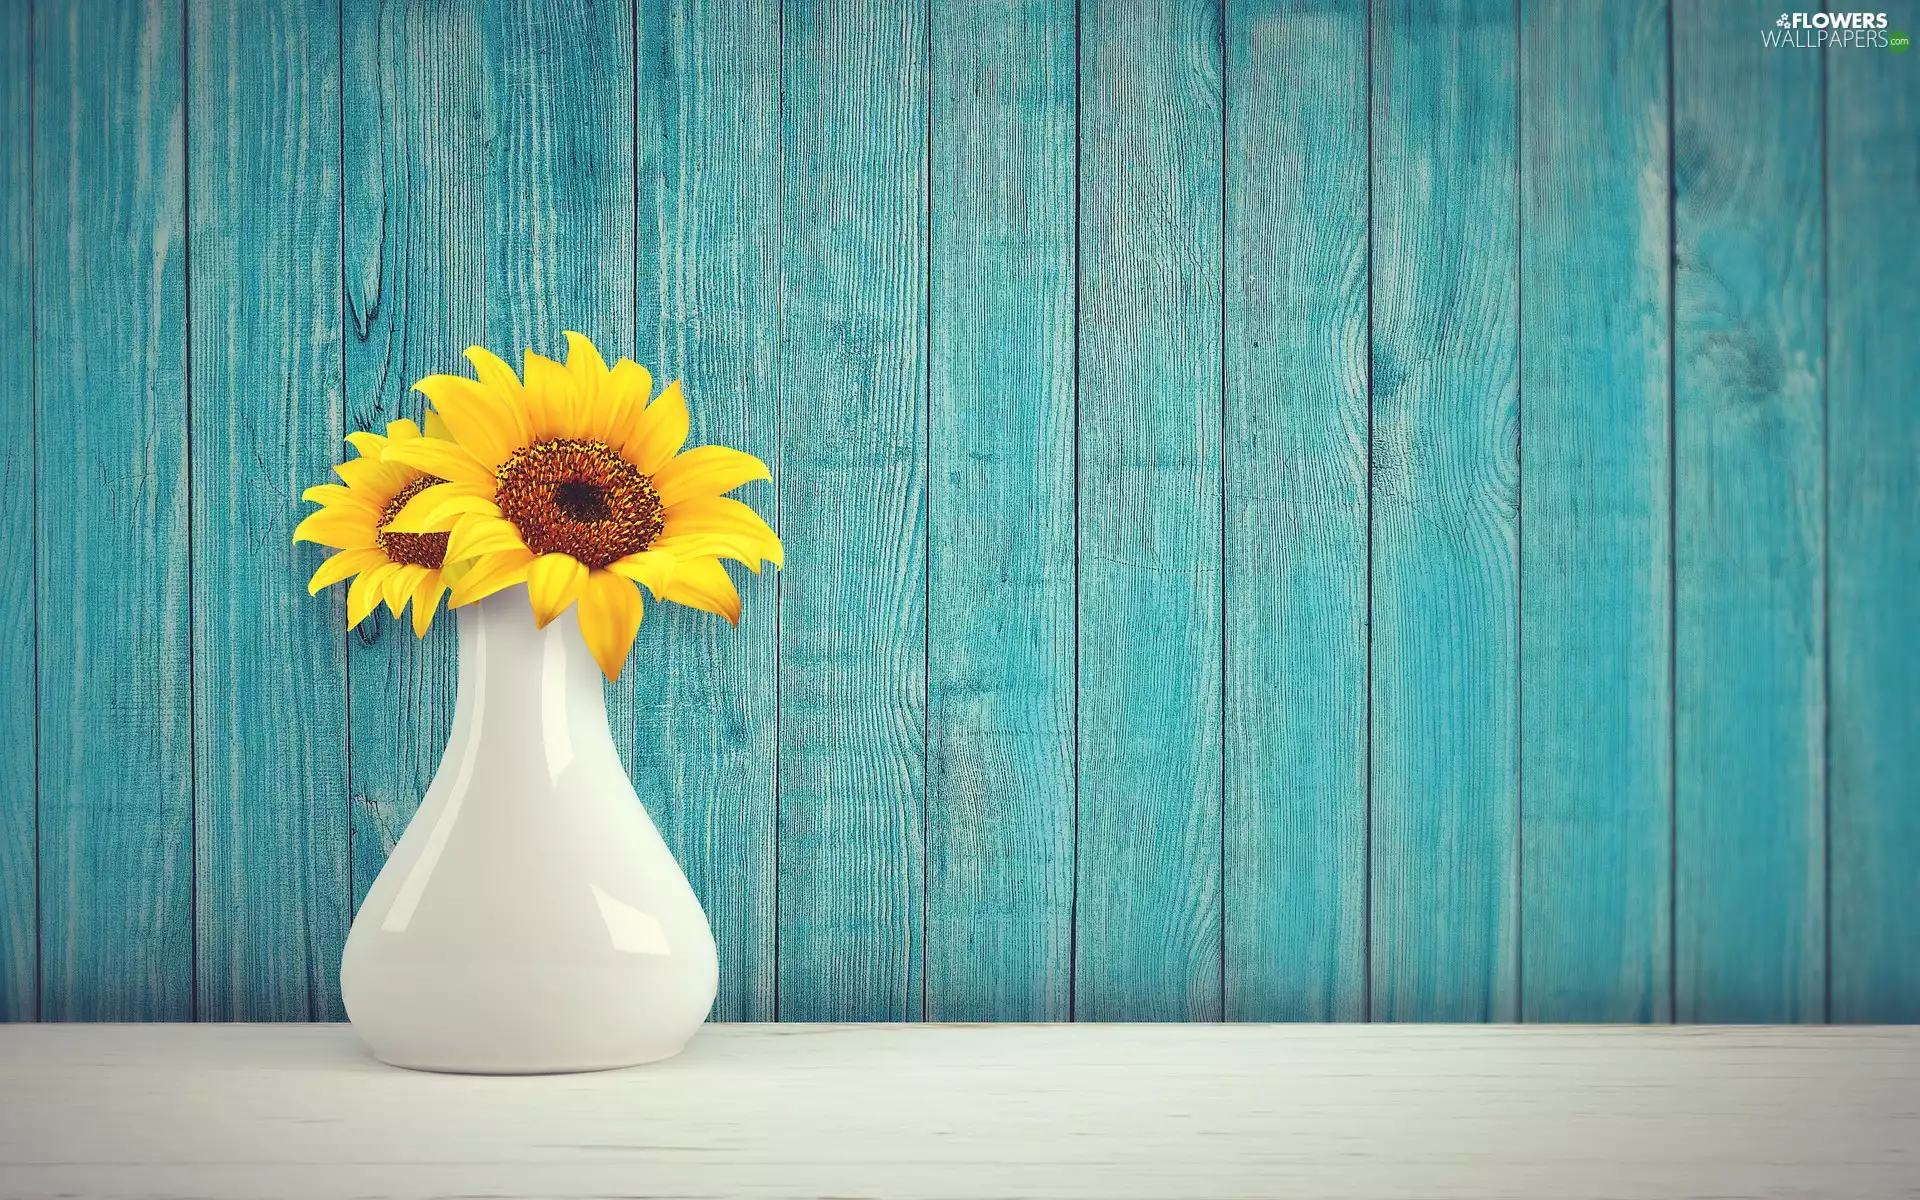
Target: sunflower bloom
[(356, 519), (573, 479)]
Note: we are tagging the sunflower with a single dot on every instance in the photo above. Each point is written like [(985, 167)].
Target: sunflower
[(573, 481), (356, 518)]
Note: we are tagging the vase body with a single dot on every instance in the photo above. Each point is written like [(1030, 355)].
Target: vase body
[(531, 919)]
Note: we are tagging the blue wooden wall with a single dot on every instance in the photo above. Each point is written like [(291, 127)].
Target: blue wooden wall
[(1296, 510)]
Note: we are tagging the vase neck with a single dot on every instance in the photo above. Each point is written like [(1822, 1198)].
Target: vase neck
[(540, 685)]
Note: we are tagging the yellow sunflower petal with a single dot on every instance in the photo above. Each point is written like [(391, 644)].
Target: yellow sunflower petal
[(702, 583), (659, 431), (450, 512), (706, 471), (487, 425), (367, 445), (475, 535), (500, 379), (553, 582), (723, 515), (610, 611), (341, 528), (598, 400), (490, 574), (435, 426), (652, 567), (712, 545), (402, 430), (380, 481), (397, 588), (343, 565), (445, 459), (335, 493), (426, 601), (364, 596), (628, 388), (493, 370), (553, 399), (588, 369), (436, 509), (412, 515)]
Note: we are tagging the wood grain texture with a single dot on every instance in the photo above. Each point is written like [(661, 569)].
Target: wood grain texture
[(1749, 795), (853, 502), (1000, 618), (19, 873), (269, 669), (1873, 454), (415, 235), (559, 179), (708, 163), (1444, 525), (1296, 512), (1150, 755), (1092, 1112), (1596, 715), (115, 768)]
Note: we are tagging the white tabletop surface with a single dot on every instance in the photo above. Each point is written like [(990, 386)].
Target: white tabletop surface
[(1099, 1111)]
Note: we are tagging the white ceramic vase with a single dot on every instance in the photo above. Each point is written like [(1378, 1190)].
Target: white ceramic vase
[(531, 919)]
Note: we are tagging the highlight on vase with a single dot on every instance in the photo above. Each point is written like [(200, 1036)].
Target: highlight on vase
[(571, 478)]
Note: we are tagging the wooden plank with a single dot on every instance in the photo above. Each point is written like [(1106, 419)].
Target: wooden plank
[(853, 499), (115, 768), (559, 177), (1150, 754), (1296, 483), (708, 157), (1749, 799), (559, 194), (1595, 556), (1444, 528), (1873, 224), (1000, 646), (415, 235), (269, 668), (19, 904), (1075, 1112)]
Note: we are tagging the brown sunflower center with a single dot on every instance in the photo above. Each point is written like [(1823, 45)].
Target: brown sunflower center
[(414, 549), (580, 498)]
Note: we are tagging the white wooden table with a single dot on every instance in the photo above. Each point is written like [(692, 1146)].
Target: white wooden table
[(1100, 1111)]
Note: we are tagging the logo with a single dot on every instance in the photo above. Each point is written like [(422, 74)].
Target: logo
[(1898, 42), (1830, 31)]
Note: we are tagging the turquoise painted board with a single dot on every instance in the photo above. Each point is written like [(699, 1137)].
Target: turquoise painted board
[(853, 473), (269, 680), (115, 720), (414, 278), (1149, 846), (1444, 523), (1873, 454), (708, 280), (1596, 713), (558, 180), (19, 874), (1296, 512), (1000, 593), (1749, 744)]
